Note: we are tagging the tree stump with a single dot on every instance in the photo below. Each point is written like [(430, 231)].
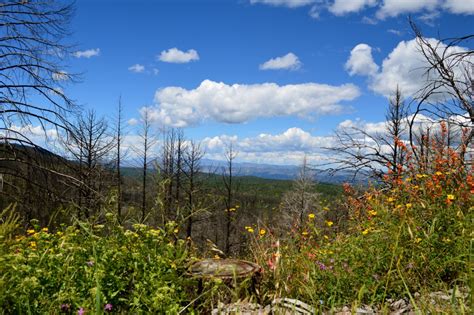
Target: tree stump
[(231, 271)]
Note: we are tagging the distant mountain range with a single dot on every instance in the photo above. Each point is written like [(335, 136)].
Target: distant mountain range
[(271, 171)]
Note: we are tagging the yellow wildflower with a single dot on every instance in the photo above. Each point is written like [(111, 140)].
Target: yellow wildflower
[(232, 209), (262, 232), (373, 212), (175, 231), (30, 231), (311, 216), (45, 229), (329, 223), (417, 240), (250, 230), (450, 197), (33, 244), (438, 173), (408, 205), (391, 199), (304, 233), (365, 232)]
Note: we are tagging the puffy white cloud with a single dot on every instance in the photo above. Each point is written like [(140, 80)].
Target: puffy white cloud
[(289, 61), (361, 62), (174, 55), (238, 103), (404, 67), (369, 127), (342, 7), (391, 8), (288, 147), (137, 68), (87, 53), (60, 76), (459, 6), (285, 3)]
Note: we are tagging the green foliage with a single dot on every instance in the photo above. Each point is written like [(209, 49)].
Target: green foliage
[(415, 237), (88, 266)]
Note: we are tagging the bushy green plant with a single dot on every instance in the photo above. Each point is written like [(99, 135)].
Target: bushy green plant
[(95, 268), (414, 237)]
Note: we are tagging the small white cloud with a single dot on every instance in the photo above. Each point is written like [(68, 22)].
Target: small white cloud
[(314, 12), (156, 71), (239, 103), (285, 3), (396, 32), (87, 53), (361, 62), (289, 62), (60, 76), (429, 18), (174, 55), (369, 20), (132, 122), (342, 7), (137, 68)]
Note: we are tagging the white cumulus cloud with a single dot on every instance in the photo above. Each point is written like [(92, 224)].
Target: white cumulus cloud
[(342, 7), (391, 8), (238, 103), (137, 68), (361, 62), (289, 62), (174, 55), (404, 67), (288, 147), (87, 53), (459, 6)]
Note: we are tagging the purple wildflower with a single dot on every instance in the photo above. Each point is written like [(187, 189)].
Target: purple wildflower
[(108, 307), (322, 266), (90, 263), (65, 307), (81, 311)]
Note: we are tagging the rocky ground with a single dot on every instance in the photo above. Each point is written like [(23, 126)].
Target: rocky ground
[(435, 302)]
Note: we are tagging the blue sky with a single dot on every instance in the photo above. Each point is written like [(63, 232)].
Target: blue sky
[(276, 77)]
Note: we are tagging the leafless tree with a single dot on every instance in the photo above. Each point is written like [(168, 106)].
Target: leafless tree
[(32, 67), (148, 141), (449, 88), (372, 153), (230, 187), (301, 200), (32, 72), (192, 169), (119, 156), (89, 145)]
